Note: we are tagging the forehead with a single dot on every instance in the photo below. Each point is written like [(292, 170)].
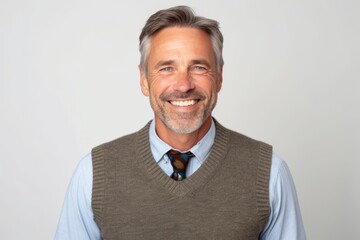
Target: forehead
[(181, 41)]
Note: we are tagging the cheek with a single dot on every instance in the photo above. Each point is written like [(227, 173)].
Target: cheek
[(158, 86), (209, 86)]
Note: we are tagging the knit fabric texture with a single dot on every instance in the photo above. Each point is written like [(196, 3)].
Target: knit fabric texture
[(226, 198)]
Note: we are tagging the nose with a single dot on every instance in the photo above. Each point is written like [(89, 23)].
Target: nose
[(183, 82)]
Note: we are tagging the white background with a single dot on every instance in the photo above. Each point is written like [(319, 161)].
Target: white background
[(69, 81)]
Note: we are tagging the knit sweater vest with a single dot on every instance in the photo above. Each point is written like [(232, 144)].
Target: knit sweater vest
[(226, 198)]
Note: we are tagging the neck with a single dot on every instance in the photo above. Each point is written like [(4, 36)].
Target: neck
[(182, 142)]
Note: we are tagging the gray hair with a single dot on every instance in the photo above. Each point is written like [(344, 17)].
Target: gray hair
[(181, 16)]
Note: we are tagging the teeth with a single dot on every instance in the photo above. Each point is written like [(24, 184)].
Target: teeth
[(183, 103)]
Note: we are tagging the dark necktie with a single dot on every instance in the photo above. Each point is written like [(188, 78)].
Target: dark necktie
[(179, 162)]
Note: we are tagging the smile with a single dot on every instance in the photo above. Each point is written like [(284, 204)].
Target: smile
[(185, 103)]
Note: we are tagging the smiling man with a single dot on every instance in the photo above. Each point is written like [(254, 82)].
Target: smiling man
[(182, 81), (184, 175)]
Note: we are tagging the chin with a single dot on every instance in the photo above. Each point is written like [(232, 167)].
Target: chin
[(184, 126)]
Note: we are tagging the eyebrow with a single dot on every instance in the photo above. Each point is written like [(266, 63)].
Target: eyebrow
[(164, 63), (193, 62), (201, 61)]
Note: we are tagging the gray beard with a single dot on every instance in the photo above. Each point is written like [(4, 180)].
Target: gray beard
[(180, 128)]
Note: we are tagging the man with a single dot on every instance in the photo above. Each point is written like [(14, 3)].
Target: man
[(183, 176)]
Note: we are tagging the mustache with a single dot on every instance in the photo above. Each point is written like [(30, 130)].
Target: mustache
[(193, 94)]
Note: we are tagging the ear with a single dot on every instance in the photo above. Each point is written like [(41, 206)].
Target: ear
[(143, 82), (219, 79)]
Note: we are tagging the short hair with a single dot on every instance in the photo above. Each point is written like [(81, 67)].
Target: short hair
[(180, 16)]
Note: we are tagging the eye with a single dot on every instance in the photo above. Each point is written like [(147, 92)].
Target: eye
[(199, 69), (166, 69)]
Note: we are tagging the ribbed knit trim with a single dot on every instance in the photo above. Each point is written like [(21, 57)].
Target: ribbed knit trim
[(262, 185), (197, 179), (98, 188)]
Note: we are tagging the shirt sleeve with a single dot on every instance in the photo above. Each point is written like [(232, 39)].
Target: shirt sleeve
[(77, 219), (285, 220)]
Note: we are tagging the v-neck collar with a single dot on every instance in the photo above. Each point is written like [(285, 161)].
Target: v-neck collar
[(155, 174), (201, 149)]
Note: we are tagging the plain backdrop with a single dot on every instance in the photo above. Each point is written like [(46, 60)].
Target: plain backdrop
[(69, 81)]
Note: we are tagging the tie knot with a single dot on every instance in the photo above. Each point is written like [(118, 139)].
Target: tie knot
[(179, 162)]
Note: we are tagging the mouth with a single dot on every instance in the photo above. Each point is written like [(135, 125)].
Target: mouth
[(182, 99), (184, 103)]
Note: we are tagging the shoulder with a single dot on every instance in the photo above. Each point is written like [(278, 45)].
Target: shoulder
[(236, 137), (278, 165), (123, 142), (83, 173), (280, 173)]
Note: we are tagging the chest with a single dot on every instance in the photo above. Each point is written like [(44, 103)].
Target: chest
[(223, 208)]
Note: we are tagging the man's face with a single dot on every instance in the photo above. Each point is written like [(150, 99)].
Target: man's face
[(182, 82)]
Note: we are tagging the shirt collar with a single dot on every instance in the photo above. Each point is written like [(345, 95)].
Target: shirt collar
[(201, 150)]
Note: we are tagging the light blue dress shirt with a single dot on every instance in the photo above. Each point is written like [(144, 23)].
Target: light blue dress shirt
[(285, 222)]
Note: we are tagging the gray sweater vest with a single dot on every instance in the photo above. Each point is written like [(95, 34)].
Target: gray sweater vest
[(226, 198)]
